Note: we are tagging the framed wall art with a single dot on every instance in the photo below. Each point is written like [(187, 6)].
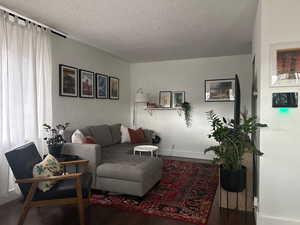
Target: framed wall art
[(165, 99), (86, 84), (178, 98), (285, 65), (114, 88), (68, 81), (101, 86), (220, 90)]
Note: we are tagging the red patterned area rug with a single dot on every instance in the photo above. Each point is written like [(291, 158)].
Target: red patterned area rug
[(186, 192)]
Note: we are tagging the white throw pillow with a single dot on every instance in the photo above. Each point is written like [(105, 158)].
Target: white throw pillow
[(124, 134), (78, 137)]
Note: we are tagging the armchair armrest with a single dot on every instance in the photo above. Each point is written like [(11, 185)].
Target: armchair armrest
[(76, 162), (51, 178), (90, 152)]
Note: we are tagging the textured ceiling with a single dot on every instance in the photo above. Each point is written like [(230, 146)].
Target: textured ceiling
[(145, 30)]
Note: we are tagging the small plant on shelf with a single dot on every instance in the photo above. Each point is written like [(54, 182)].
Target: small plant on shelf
[(187, 109)]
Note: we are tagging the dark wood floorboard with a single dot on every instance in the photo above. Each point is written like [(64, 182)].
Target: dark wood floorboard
[(98, 215)]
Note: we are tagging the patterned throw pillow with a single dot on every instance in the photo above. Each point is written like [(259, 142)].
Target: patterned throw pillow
[(48, 167)]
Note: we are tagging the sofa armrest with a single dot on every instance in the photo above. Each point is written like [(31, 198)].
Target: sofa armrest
[(90, 152), (148, 135)]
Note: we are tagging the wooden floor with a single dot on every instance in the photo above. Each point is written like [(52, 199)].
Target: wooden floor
[(98, 215)]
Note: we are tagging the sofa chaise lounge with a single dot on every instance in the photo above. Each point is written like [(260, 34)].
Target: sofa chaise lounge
[(114, 167)]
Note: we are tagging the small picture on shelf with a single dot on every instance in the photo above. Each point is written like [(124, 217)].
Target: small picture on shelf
[(165, 99), (178, 98)]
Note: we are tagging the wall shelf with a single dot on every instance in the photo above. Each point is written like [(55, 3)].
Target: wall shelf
[(150, 110)]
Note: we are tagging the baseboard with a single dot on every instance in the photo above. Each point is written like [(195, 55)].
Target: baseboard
[(271, 220), (186, 154), (9, 197)]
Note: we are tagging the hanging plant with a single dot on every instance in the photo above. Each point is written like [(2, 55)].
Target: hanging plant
[(186, 107)]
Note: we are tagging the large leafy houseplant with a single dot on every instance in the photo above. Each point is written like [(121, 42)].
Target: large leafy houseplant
[(233, 142)]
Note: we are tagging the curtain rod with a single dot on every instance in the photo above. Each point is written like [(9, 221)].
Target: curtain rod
[(24, 18)]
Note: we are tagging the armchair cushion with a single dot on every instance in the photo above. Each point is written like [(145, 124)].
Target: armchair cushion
[(47, 168), (66, 189)]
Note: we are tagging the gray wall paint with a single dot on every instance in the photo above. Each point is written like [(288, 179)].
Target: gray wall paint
[(81, 112), (187, 75)]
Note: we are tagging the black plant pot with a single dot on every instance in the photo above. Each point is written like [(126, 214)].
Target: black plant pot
[(55, 150), (233, 180)]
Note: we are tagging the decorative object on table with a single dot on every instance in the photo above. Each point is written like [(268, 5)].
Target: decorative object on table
[(146, 148), (140, 97), (47, 168), (234, 142), (187, 109), (86, 84), (68, 81), (285, 100), (285, 64), (165, 99), (220, 90), (136, 136), (101, 86), (114, 88), (180, 195), (55, 139), (69, 189), (178, 98)]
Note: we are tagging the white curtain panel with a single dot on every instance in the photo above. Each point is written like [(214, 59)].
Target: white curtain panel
[(25, 86)]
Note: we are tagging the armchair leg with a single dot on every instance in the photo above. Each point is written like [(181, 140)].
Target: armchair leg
[(27, 202), (80, 201)]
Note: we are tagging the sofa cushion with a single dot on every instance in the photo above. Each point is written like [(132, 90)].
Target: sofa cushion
[(132, 168), (136, 136), (118, 150), (69, 132), (115, 130), (102, 135)]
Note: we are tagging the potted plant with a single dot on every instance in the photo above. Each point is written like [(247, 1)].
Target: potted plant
[(233, 142), (186, 107), (55, 139)]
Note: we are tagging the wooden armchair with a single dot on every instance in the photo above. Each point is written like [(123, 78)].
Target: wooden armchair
[(70, 188)]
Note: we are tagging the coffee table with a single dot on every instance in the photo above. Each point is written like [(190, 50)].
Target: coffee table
[(146, 148)]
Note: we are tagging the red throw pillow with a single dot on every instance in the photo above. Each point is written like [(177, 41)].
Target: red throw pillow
[(136, 136), (89, 140)]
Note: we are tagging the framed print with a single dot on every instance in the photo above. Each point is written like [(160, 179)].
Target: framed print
[(86, 84), (68, 81), (178, 97), (165, 99), (285, 65), (101, 86), (220, 90), (114, 92)]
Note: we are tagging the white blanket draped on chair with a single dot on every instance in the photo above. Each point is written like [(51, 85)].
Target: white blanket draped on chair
[(25, 86)]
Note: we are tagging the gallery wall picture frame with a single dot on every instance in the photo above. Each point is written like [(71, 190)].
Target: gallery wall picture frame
[(285, 64), (219, 90), (68, 81), (165, 99), (178, 98), (101, 86), (114, 88), (86, 84)]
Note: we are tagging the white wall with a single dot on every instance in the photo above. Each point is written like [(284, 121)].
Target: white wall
[(189, 76), (81, 112), (279, 167)]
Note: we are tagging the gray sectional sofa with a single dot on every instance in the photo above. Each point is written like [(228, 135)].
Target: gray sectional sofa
[(113, 164)]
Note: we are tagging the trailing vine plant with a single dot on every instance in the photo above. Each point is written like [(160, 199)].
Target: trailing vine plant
[(187, 109)]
